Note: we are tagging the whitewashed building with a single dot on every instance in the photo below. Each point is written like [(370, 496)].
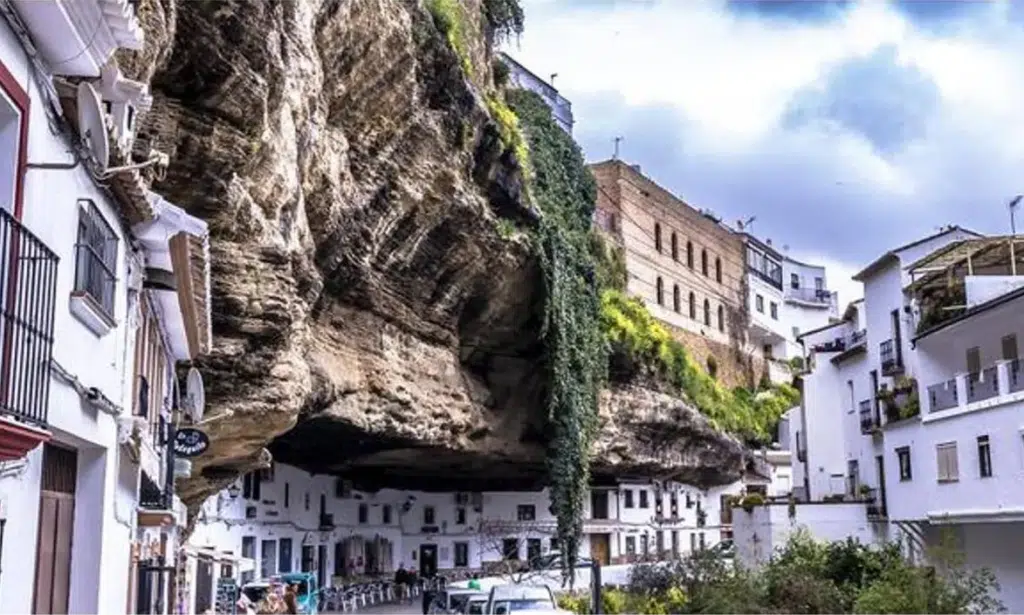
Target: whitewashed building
[(523, 78), (77, 285), (914, 404)]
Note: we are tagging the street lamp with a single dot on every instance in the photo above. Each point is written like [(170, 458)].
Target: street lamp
[(1013, 210), (234, 490)]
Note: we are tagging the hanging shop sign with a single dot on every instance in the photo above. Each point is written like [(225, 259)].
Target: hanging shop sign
[(190, 442)]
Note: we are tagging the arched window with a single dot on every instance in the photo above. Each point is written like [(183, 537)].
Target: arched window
[(661, 291), (675, 247), (689, 254), (704, 262), (675, 297), (693, 306), (707, 312), (657, 237), (718, 270), (721, 318)]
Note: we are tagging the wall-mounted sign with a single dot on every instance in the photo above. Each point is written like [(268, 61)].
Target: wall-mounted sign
[(190, 442)]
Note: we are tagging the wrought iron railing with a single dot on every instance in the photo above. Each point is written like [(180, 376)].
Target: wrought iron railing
[(811, 295), (28, 292), (867, 417), (942, 396), (982, 385), (1016, 376)]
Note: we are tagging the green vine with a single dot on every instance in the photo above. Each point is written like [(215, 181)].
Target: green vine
[(641, 346), (451, 21), (575, 353)]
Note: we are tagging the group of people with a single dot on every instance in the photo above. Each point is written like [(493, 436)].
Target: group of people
[(280, 598)]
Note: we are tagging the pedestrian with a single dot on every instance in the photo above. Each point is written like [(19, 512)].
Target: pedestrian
[(291, 599)]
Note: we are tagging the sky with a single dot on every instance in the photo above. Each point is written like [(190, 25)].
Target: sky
[(846, 127)]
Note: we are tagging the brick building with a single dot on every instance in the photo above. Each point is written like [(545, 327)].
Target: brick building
[(687, 267)]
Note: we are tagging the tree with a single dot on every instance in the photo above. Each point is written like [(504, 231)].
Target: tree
[(505, 548)]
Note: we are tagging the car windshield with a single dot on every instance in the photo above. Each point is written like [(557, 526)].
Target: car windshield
[(511, 606)]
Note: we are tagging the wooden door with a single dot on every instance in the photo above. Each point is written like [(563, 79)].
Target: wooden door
[(56, 522), (599, 548)]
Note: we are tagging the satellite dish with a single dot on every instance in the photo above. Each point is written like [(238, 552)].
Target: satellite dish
[(195, 395), (92, 127)]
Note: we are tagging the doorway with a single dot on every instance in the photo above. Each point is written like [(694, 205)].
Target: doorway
[(204, 585), (56, 523), (598, 504), (321, 565), (880, 464), (599, 548), (428, 560)]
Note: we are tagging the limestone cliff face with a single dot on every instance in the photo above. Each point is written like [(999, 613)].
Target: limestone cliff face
[(369, 318)]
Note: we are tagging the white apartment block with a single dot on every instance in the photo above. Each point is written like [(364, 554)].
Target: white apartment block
[(786, 298), (283, 519), (523, 78), (914, 405), (96, 272)]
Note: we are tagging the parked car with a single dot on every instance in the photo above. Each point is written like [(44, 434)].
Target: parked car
[(453, 600), (505, 599), (726, 548), (476, 605)]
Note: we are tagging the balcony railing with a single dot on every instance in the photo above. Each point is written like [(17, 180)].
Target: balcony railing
[(868, 420), (28, 291), (942, 396), (890, 358), (843, 342), (982, 385), (988, 385), (811, 295)]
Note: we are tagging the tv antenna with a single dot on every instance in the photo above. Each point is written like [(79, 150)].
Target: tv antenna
[(745, 224), (1014, 203), (552, 81), (615, 156)]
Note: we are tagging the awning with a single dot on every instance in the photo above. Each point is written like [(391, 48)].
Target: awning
[(244, 564)]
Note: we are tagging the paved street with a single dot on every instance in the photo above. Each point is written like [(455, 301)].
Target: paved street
[(394, 608)]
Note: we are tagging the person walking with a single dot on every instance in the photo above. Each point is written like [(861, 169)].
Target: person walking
[(291, 602)]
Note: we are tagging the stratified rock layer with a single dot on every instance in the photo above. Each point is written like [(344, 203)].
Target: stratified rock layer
[(367, 313)]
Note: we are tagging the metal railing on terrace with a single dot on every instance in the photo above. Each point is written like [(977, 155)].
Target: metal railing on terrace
[(811, 295), (28, 293), (990, 383), (842, 343)]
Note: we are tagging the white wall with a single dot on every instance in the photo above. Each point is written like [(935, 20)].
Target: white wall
[(760, 533), (99, 565)]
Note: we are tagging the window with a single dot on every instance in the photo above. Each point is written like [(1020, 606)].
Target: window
[(660, 290), (794, 280), (268, 558), (630, 545), (364, 513), (385, 514), (532, 549), (462, 555), (287, 494), (693, 542), (675, 247), (693, 306), (526, 512), (95, 259), (460, 516), (284, 559), (553, 544), (704, 262), (675, 298), (689, 254), (510, 549), (774, 308), (702, 543), (819, 284), (251, 486), (628, 493), (267, 474), (657, 237), (707, 312), (718, 270), (306, 500), (1009, 344), (248, 552), (949, 470), (644, 550), (984, 457), (643, 498), (428, 515), (759, 303), (721, 318)]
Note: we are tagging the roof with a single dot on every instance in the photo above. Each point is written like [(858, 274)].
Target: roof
[(972, 312), (523, 68), (979, 253), (763, 246), (891, 255)]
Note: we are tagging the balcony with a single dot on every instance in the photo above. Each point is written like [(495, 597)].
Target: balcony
[(843, 343), (900, 402), (999, 383), (875, 504), (28, 290), (811, 296), (892, 362)]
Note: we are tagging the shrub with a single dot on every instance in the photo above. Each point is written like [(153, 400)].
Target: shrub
[(750, 501)]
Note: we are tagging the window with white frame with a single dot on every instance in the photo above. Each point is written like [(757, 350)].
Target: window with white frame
[(95, 259), (903, 456), (11, 120), (984, 457), (948, 465)]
